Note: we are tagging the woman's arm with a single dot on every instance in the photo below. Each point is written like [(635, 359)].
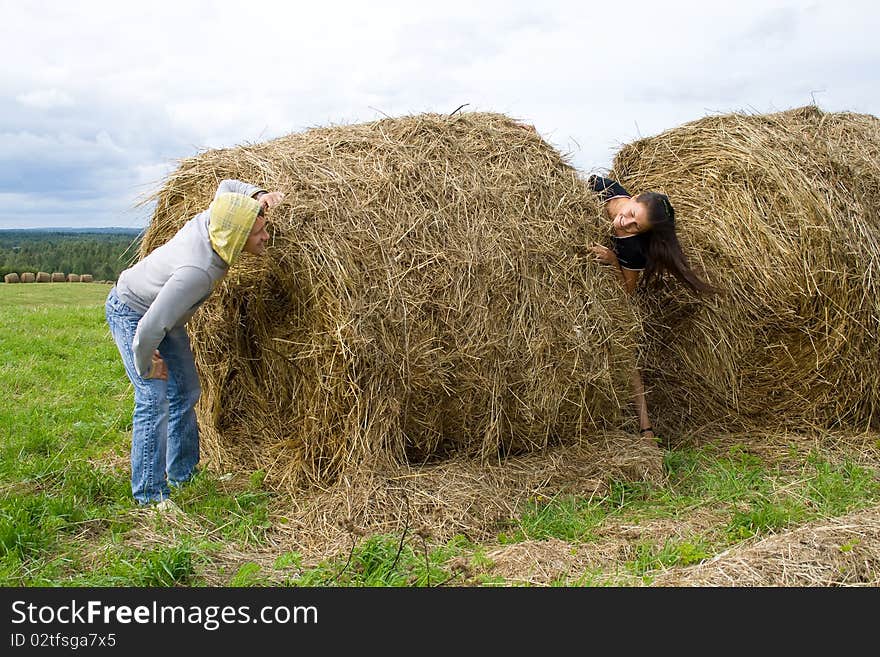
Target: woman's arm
[(606, 188), (629, 278)]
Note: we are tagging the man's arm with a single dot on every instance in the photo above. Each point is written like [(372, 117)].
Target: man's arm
[(233, 186), (186, 287)]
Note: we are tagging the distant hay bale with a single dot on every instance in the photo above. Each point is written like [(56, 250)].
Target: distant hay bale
[(28, 277), (43, 277), (73, 278), (426, 293), (11, 278), (783, 212), (58, 277), (86, 278)]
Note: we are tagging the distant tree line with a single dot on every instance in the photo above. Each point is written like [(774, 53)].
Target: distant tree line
[(102, 254)]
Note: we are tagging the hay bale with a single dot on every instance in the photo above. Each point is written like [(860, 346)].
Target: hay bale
[(43, 277), (58, 277), (86, 278), (426, 293), (783, 212), (11, 278), (73, 278), (28, 277)]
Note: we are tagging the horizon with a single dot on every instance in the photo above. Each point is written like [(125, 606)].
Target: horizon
[(78, 229)]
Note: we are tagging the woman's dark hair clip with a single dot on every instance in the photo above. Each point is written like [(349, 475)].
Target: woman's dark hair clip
[(667, 207)]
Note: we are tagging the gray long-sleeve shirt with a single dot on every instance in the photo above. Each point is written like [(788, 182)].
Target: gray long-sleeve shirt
[(170, 284)]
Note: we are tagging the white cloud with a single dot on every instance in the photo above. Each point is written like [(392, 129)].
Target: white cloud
[(105, 95), (45, 99)]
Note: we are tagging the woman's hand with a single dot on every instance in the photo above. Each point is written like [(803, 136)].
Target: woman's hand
[(604, 255), (271, 199), (158, 369)]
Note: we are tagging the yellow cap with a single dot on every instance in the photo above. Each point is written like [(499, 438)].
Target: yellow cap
[(231, 222)]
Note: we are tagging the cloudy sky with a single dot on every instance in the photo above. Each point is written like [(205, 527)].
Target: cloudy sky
[(100, 99)]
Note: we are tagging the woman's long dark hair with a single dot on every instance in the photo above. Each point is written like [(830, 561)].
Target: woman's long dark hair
[(664, 251)]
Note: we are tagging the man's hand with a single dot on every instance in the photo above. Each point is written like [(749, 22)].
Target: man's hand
[(604, 255), (271, 199), (158, 369)]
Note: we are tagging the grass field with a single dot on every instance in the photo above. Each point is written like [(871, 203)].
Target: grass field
[(67, 517)]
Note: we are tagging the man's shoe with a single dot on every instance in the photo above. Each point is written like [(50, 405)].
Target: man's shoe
[(167, 506)]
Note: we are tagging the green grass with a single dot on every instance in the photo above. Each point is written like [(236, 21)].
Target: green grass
[(67, 411), (67, 517)]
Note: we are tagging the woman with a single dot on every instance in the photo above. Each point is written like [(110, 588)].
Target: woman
[(643, 241), (147, 311)]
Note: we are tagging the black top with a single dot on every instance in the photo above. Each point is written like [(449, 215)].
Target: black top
[(631, 251)]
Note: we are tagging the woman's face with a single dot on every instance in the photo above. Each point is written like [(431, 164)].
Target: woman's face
[(632, 218), (256, 241)]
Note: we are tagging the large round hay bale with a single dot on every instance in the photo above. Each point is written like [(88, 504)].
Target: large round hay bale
[(86, 278), (11, 278), (43, 277), (783, 212), (73, 278), (426, 293), (58, 277), (28, 277)]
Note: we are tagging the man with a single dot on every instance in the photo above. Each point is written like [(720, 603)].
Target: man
[(147, 311)]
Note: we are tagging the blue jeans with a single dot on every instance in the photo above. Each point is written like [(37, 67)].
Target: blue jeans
[(165, 434)]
